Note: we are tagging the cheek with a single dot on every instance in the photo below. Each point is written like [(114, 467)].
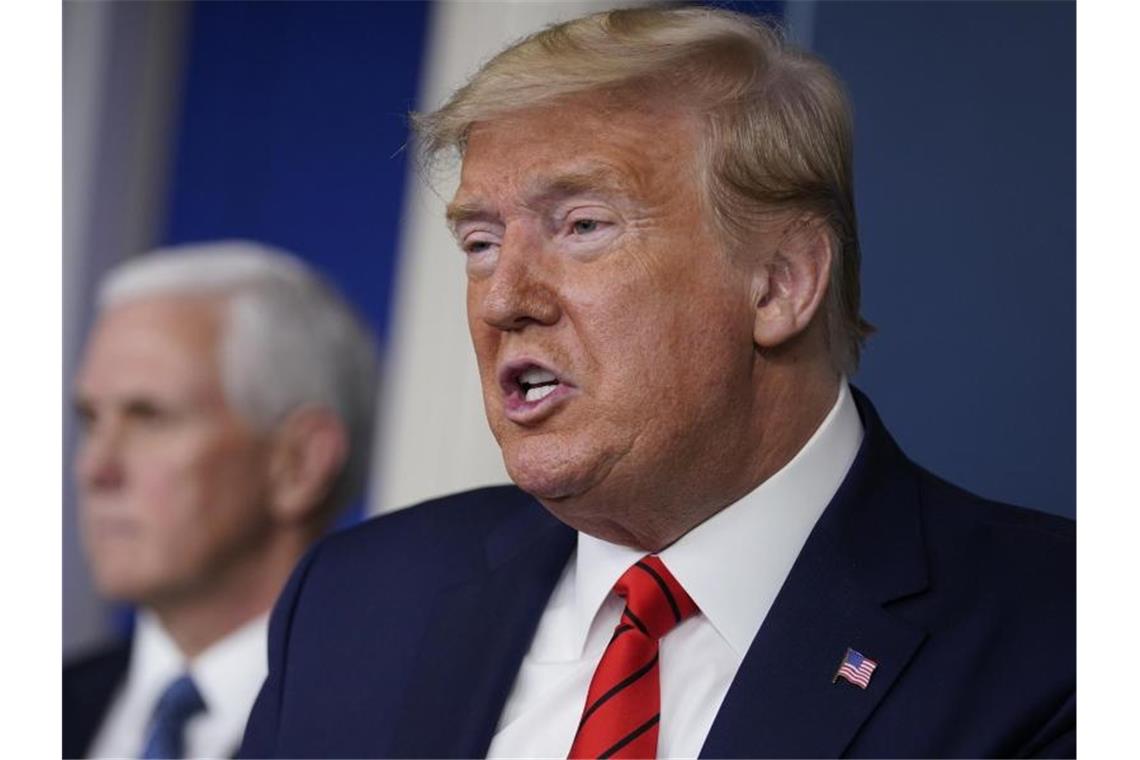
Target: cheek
[(676, 349), (485, 340), (235, 462), (232, 483), (160, 476), (155, 526), (189, 489), (626, 335), (482, 334)]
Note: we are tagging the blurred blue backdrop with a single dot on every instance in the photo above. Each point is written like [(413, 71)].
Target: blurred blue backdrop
[(965, 153), (293, 131)]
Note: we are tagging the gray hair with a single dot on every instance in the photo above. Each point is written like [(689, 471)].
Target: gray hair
[(778, 133), (288, 340)]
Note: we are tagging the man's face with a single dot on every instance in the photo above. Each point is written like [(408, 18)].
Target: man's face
[(172, 482), (613, 333)]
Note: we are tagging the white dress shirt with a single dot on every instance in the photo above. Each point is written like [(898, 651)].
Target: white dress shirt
[(732, 565), (228, 675)]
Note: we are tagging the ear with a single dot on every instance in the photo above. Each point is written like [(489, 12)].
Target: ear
[(310, 448), (788, 287)]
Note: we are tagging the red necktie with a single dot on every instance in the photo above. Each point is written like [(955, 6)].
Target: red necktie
[(623, 705)]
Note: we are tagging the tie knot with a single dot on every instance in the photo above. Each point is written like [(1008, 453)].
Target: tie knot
[(655, 602), (180, 701)]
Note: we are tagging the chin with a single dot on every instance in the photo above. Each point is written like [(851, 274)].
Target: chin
[(122, 587), (550, 469), (128, 577), (542, 482)]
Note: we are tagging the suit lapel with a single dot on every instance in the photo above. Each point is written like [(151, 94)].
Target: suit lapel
[(478, 636), (783, 702), (88, 689), (866, 550)]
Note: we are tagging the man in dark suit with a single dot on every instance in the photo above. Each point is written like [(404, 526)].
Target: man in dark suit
[(226, 399), (715, 548)]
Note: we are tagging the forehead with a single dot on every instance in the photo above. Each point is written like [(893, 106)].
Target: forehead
[(162, 344), (590, 142)]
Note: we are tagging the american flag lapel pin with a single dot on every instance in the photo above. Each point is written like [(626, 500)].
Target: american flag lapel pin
[(855, 668)]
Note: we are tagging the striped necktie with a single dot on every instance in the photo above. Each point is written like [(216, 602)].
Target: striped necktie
[(623, 705)]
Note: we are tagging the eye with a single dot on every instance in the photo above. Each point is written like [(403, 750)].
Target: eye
[(585, 226), (147, 413), (475, 241), (84, 415), (588, 229), (476, 246)]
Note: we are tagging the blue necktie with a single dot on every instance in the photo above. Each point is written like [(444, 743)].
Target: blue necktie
[(177, 705)]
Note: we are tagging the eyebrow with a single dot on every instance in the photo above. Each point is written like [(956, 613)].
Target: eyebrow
[(466, 211), (593, 179), (600, 178)]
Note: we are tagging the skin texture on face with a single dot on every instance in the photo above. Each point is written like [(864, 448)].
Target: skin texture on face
[(173, 483), (588, 254)]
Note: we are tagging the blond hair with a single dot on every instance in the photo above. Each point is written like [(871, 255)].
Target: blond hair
[(777, 125)]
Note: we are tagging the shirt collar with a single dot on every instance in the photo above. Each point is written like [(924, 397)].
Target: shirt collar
[(155, 659), (228, 673), (754, 541)]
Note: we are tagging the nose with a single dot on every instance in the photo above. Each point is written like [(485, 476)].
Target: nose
[(99, 461), (522, 289)]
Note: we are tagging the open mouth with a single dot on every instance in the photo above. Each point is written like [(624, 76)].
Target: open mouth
[(537, 383), (530, 387)]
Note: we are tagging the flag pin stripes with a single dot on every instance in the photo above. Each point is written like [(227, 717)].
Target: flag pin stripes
[(855, 668)]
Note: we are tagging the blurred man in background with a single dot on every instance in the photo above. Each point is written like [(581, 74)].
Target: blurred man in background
[(226, 397)]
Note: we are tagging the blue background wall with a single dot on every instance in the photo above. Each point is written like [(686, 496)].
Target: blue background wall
[(294, 122), (965, 153), (293, 131)]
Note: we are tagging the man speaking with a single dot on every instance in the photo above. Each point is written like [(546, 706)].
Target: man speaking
[(715, 548)]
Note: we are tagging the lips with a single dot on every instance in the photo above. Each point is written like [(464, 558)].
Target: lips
[(108, 527), (532, 390)]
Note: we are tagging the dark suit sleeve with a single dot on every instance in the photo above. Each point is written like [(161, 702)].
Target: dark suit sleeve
[(1058, 737), (261, 730)]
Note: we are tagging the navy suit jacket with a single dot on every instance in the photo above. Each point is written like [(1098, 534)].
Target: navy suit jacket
[(402, 637), (89, 683)]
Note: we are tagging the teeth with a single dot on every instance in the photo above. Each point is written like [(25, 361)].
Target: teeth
[(539, 393), (537, 376)]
